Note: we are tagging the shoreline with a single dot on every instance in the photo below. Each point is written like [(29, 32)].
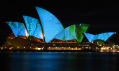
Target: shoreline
[(49, 50)]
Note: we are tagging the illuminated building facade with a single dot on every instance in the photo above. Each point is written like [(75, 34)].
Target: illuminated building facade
[(49, 28), (48, 31)]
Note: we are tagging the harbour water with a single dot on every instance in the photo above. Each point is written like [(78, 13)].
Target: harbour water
[(59, 61)]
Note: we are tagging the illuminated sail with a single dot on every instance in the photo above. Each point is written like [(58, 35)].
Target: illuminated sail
[(102, 36), (17, 28), (80, 29), (60, 35), (89, 36), (70, 33), (33, 27), (51, 25), (67, 34), (73, 32)]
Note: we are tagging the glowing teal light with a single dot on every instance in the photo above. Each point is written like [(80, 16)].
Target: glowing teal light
[(60, 35), (33, 27), (51, 25), (102, 36), (89, 36), (17, 28)]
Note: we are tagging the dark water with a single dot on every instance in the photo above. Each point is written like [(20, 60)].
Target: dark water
[(58, 61)]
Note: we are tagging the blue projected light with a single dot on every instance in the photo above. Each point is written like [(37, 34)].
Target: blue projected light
[(51, 25), (33, 27), (61, 35), (38, 32), (102, 36), (23, 30), (17, 28), (89, 36), (30, 25)]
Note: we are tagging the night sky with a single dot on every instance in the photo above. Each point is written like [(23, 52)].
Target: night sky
[(102, 16)]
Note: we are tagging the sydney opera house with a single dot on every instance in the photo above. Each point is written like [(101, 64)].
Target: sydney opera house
[(48, 33)]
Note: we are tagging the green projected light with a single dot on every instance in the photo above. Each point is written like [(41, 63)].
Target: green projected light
[(82, 28), (73, 32)]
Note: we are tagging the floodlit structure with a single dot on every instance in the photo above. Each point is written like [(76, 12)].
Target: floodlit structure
[(48, 28), (48, 31), (101, 36)]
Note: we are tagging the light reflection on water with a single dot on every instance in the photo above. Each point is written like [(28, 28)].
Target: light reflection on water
[(58, 61)]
